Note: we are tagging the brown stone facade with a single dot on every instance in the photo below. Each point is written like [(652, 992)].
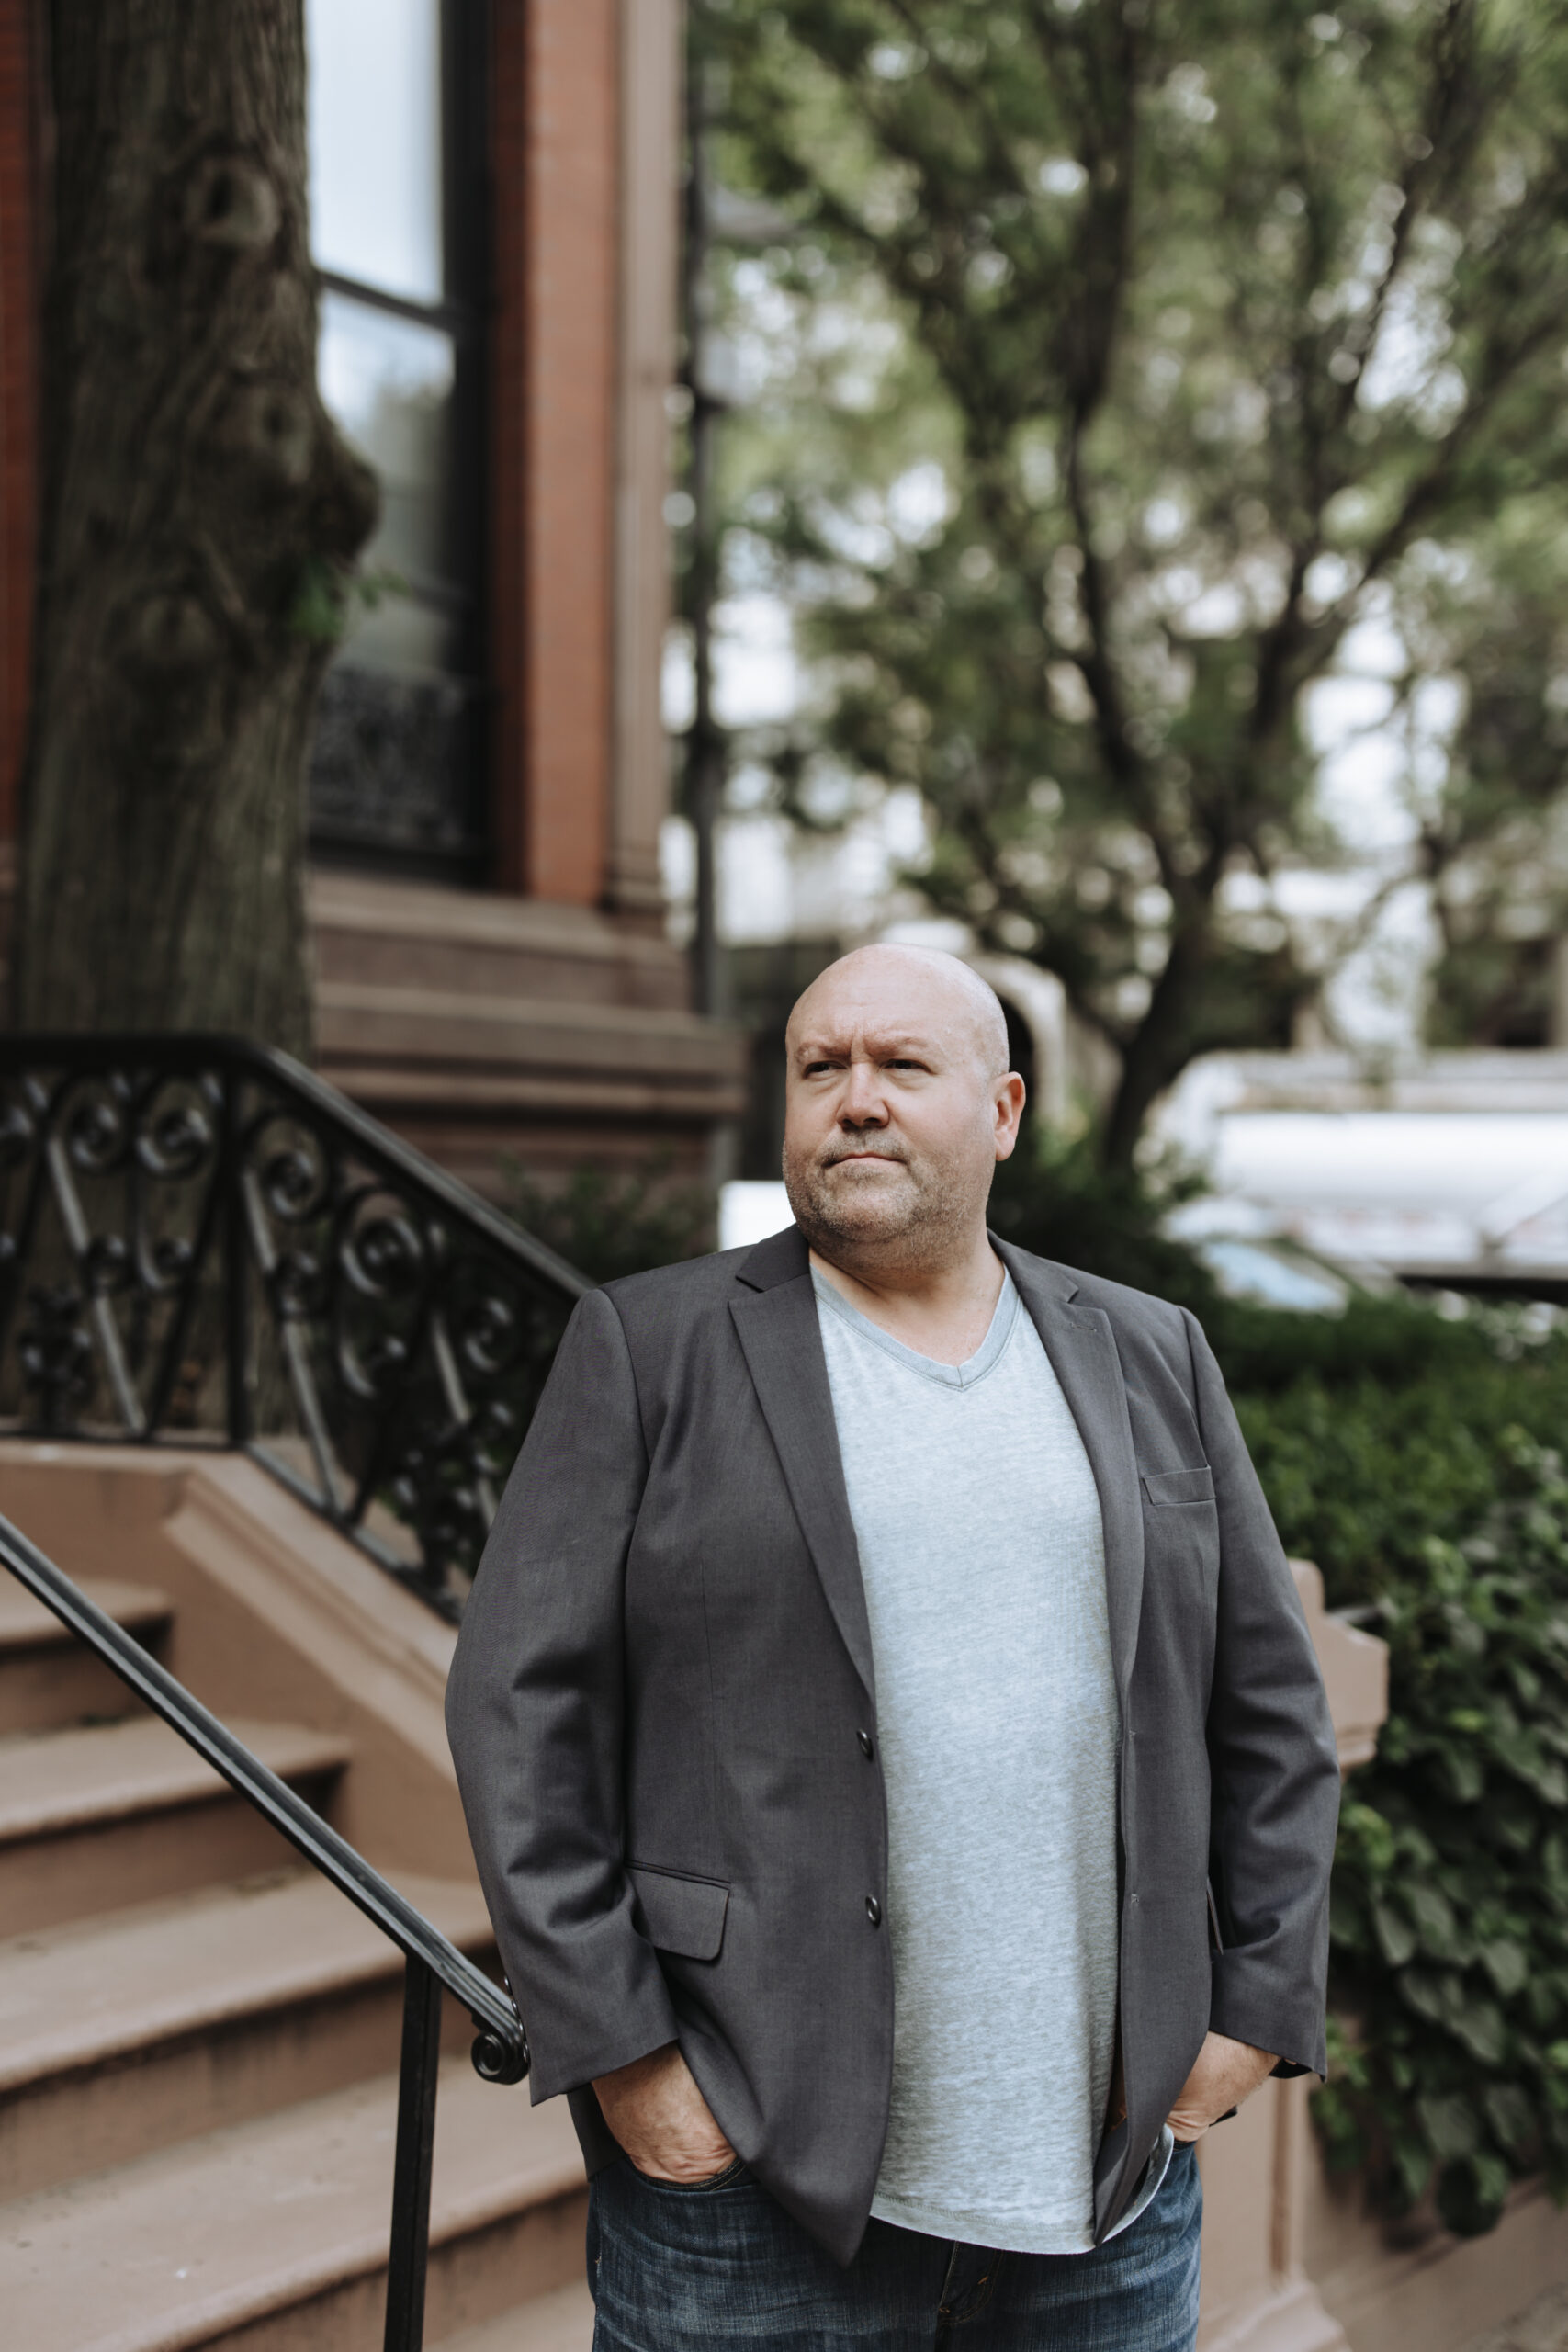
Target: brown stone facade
[(493, 1027), (18, 385), (544, 1016)]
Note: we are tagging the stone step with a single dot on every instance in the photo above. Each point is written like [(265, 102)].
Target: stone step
[(136, 2029), (273, 2235), (105, 1816), (48, 1678), (559, 2323)]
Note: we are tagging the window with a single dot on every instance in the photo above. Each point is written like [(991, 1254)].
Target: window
[(397, 182)]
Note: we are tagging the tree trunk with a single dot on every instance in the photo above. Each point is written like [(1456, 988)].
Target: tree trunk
[(199, 515), (1159, 1052)]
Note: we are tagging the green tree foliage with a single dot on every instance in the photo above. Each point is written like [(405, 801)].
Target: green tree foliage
[(1495, 840), (1221, 328), (1054, 1197)]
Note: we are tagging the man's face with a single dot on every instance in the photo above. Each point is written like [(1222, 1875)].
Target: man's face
[(896, 1113)]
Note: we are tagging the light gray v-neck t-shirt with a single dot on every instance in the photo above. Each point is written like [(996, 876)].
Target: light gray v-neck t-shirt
[(981, 1549)]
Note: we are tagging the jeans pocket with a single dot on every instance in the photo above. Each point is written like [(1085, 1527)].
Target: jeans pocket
[(728, 2176)]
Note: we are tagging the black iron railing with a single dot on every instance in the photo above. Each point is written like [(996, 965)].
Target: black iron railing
[(198, 1239), (431, 1965)]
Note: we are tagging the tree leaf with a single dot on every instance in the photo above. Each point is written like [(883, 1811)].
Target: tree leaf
[(1506, 1963), (1396, 1934), (1479, 2025), (1451, 2126), (1511, 2113)]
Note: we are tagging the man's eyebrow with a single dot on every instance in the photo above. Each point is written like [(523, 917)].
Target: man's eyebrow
[(897, 1043)]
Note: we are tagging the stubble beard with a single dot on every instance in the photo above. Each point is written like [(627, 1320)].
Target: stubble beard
[(872, 1223)]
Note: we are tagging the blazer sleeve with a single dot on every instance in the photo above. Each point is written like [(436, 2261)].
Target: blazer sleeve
[(1274, 1770), (535, 1716)]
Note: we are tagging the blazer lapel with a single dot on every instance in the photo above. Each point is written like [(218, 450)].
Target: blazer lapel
[(782, 1343), (1082, 1350)]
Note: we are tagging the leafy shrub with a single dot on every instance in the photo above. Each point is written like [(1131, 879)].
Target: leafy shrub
[(1387, 1343), (606, 1224), (1450, 1887), (1360, 1471), (1408, 1459)]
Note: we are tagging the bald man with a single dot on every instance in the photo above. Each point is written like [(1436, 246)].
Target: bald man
[(893, 1750)]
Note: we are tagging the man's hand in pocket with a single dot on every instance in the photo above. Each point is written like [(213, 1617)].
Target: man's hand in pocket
[(1225, 2073), (661, 2120)]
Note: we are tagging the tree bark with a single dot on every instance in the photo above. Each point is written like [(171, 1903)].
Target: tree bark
[(200, 514), (1156, 1054)]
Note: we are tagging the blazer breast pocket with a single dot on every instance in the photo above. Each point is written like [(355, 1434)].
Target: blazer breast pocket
[(678, 1914), (1174, 1486)]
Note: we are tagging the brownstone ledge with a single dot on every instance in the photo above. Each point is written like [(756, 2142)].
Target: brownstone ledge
[(485, 1027)]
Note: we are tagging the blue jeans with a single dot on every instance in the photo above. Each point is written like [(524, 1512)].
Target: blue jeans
[(721, 2266)]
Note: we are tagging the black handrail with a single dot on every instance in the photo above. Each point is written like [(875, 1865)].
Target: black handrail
[(199, 1236), (499, 2049)]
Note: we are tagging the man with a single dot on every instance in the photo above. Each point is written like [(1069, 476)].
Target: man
[(893, 1750)]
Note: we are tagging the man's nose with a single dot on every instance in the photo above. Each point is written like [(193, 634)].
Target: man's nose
[(861, 1104)]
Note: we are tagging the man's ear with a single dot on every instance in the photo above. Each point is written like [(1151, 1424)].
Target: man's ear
[(1008, 1102)]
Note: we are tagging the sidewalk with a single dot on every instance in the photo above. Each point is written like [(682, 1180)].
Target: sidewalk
[(1542, 2328)]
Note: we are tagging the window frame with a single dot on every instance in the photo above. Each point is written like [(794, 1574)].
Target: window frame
[(463, 313)]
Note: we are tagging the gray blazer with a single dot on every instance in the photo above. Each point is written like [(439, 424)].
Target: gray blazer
[(663, 1714)]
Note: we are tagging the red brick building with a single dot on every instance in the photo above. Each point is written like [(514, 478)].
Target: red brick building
[(495, 198)]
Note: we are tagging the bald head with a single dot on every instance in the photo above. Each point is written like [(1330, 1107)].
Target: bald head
[(899, 1104), (915, 983)]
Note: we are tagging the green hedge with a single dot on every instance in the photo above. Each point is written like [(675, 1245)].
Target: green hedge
[(1436, 1502), (1360, 1469)]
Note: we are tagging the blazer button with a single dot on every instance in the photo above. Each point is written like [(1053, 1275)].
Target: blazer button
[(868, 1745), (873, 1910)]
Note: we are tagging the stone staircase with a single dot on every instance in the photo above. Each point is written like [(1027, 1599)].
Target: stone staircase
[(198, 2044)]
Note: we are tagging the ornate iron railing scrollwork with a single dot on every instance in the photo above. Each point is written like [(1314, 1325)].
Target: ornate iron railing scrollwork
[(201, 1239)]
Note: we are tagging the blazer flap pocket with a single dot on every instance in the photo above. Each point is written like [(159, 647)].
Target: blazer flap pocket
[(680, 1915), (1180, 1486)]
